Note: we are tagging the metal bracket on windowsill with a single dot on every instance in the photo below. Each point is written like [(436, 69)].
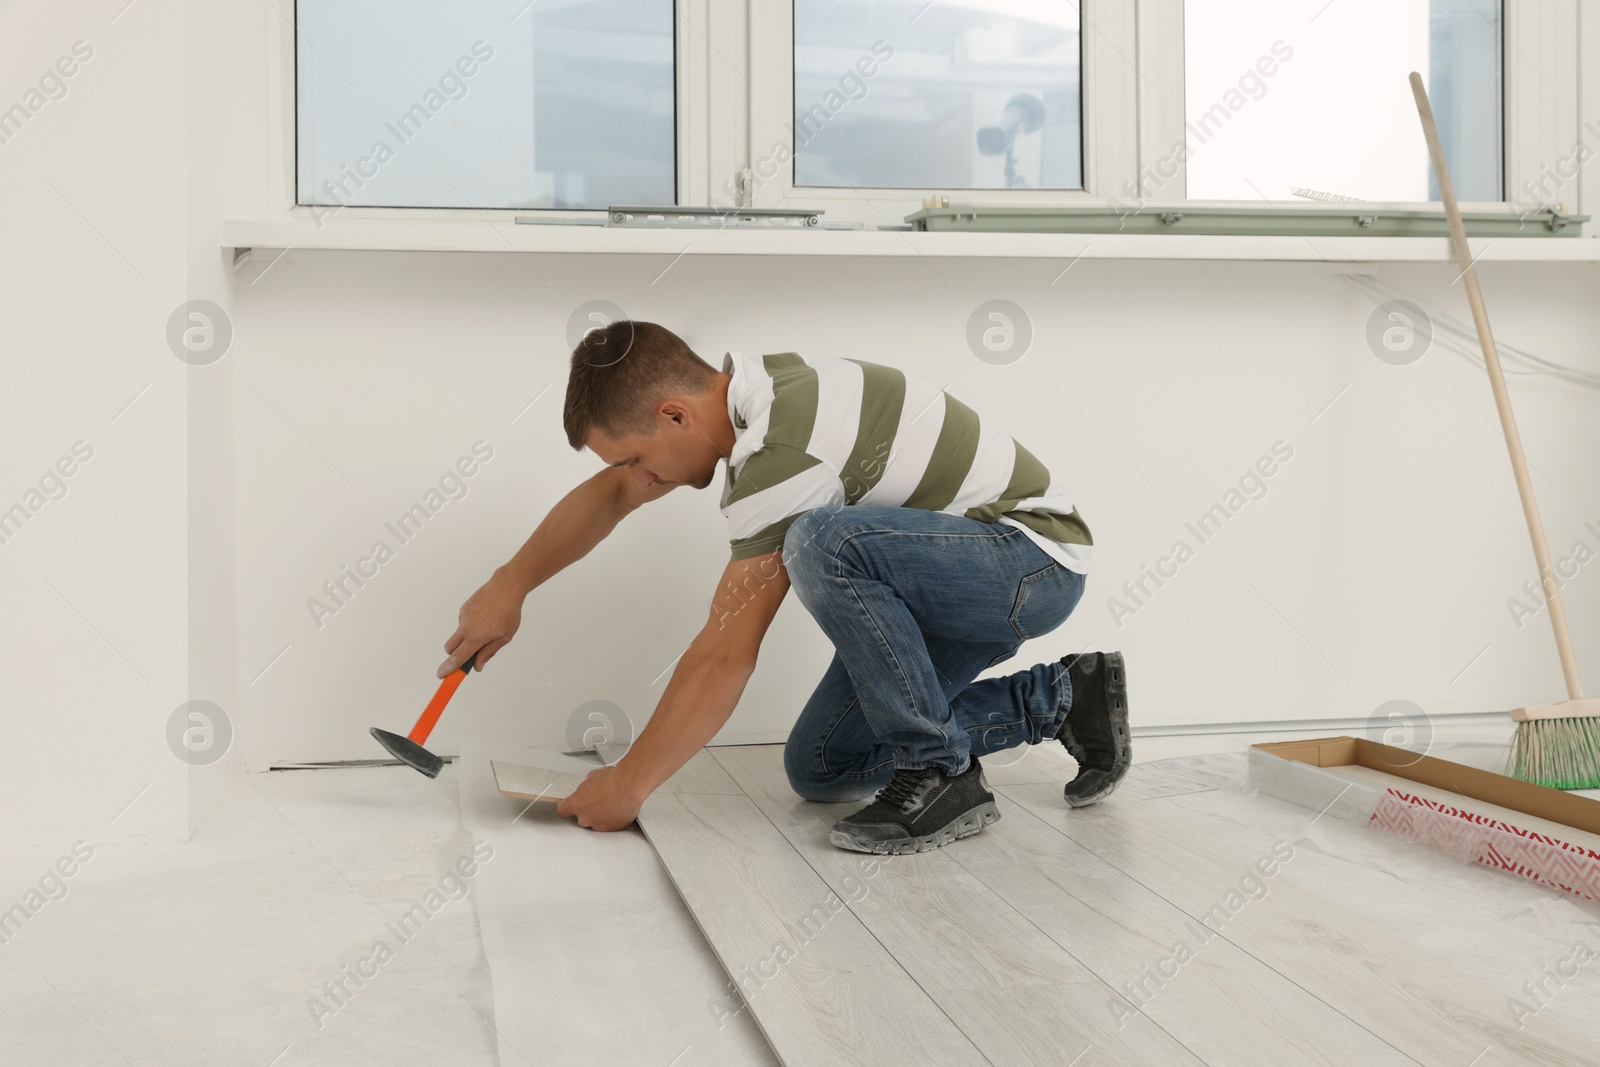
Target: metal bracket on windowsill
[(671, 216), (1239, 220), (701, 218)]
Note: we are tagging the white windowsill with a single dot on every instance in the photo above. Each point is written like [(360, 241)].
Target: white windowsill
[(480, 234)]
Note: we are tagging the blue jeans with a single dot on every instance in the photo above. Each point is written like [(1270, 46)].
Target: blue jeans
[(917, 603)]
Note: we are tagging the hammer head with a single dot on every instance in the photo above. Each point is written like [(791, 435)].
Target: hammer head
[(409, 752)]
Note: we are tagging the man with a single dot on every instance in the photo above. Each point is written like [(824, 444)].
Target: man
[(926, 544)]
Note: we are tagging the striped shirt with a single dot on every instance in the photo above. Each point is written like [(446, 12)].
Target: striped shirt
[(822, 430)]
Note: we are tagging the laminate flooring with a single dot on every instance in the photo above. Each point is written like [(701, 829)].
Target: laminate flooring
[(1210, 927)]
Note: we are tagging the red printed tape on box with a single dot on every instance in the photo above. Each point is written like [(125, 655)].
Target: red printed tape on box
[(1477, 838)]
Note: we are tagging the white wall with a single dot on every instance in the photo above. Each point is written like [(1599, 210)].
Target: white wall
[(1389, 543), (121, 592), (95, 649), (217, 44)]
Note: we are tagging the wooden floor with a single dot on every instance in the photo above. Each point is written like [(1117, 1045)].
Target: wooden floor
[(1141, 930)]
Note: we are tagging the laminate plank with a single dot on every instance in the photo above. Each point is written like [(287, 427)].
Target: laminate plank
[(1214, 999), (1221, 1004), (823, 990), (702, 774), (1427, 1009), (594, 958), (1040, 764), (1049, 1026), (1502, 930), (1105, 921), (945, 927), (533, 783)]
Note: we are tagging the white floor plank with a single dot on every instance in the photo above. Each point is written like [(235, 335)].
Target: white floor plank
[(1223, 1006), (595, 958), (822, 988), (1425, 1008), (522, 782), (1048, 1026), (945, 927), (1039, 764), (1051, 934), (1218, 1003), (1505, 932), (702, 774)]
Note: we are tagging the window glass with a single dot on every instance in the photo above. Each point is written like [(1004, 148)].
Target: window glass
[(958, 94), (553, 104), (1310, 99)]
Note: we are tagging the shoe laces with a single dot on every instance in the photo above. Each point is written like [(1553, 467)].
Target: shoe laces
[(902, 786)]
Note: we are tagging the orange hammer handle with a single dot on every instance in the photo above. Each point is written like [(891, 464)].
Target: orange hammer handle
[(447, 688)]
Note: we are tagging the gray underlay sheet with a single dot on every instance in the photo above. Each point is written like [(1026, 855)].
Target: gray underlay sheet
[(593, 955)]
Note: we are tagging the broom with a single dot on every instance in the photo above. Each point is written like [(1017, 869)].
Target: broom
[(1557, 745)]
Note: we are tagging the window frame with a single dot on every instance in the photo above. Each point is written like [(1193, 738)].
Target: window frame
[(1532, 112), (1108, 41), (734, 71), (701, 102)]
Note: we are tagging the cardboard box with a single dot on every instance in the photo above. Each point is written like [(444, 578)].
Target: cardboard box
[(1526, 797), (1537, 848)]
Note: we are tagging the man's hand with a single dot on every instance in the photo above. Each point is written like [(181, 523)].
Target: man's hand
[(602, 801), (486, 621)]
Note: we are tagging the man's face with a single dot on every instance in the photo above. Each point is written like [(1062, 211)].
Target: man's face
[(676, 454)]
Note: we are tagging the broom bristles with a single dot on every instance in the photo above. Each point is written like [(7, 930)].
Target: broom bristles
[(1559, 753)]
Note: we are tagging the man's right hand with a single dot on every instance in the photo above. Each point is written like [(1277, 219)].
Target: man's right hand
[(486, 623)]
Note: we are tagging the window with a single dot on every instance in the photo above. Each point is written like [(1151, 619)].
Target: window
[(976, 94), (1309, 99), (861, 109), (485, 105)]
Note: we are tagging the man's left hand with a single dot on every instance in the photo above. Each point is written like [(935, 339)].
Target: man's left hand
[(602, 801)]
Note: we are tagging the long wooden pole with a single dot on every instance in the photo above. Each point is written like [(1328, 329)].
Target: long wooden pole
[(1502, 400)]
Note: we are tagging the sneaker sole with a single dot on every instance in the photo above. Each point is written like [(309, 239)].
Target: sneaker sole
[(964, 826), (1117, 709), (1092, 798)]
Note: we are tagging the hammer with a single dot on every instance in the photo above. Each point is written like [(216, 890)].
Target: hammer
[(408, 749)]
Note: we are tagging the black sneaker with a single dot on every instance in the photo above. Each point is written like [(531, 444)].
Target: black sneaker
[(1096, 731), (920, 810)]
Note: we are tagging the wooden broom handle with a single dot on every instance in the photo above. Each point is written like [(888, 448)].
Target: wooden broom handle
[(1502, 401)]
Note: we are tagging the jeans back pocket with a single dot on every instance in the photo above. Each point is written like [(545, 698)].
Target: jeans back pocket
[(1044, 600)]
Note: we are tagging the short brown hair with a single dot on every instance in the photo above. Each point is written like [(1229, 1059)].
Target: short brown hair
[(621, 371)]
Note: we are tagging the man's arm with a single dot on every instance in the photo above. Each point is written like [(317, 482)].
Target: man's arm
[(579, 521), (710, 676)]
